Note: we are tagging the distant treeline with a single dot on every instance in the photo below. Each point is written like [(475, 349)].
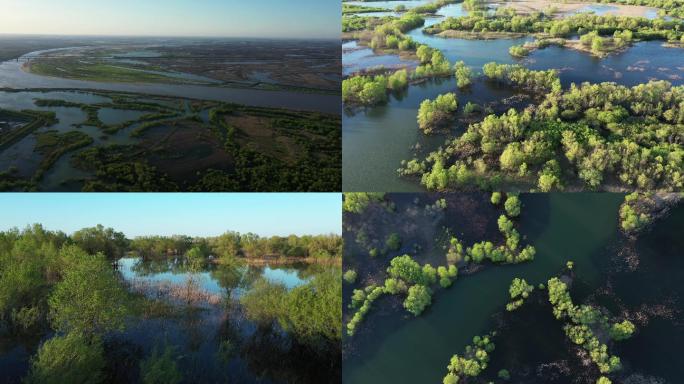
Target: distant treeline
[(231, 244)]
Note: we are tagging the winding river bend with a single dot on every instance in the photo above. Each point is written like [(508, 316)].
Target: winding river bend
[(13, 76)]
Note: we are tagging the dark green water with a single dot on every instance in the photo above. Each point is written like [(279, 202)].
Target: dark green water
[(577, 227)]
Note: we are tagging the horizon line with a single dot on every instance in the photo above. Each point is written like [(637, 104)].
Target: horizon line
[(171, 36)]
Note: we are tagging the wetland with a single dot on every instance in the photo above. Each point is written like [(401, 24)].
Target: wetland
[(384, 149), (140, 114), (623, 285)]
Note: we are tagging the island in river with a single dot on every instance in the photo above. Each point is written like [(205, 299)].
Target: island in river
[(169, 114), (472, 95)]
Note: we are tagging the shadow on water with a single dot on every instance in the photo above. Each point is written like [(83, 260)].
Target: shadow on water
[(562, 227), (212, 342)]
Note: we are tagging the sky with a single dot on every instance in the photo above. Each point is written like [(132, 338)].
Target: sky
[(192, 214), (225, 18)]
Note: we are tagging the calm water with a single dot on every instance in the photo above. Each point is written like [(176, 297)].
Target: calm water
[(62, 176), (12, 76), (577, 227), (251, 355), (376, 140), (173, 271)]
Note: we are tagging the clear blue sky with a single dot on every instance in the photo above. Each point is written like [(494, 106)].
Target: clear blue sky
[(193, 214), (238, 18)]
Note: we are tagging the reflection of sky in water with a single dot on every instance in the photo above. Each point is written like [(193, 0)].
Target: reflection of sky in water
[(285, 275)]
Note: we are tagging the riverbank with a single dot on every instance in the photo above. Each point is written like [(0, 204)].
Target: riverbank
[(561, 9)]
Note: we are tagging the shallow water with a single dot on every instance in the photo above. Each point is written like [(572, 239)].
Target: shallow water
[(112, 116), (376, 140), (174, 272), (215, 343), (401, 348), (12, 76)]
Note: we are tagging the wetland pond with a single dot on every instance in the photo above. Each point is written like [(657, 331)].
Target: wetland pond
[(213, 338), (376, 139), (396, 347)]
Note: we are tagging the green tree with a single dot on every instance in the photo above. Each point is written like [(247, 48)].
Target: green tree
[(512, 206), (90, 298), (72, 358), (356, 202), (464, 75), (350, 276), (419, 297), (100, 239), (622, 331), (434, 113)]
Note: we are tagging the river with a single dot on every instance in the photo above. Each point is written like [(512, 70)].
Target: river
[(376, 139), (13, 76)]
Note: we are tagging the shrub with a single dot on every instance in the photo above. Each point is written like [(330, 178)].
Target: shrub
[(350, 276), (72, 358)]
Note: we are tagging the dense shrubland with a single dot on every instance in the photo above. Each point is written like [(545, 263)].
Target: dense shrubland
[(68, 290), (593, 135), (507, 21)]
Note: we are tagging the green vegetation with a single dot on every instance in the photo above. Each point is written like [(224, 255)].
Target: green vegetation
[(67, 294), (393, 242), (350, 276), (249, 246), (101, 70), (365, 90), (512, 205), (496, 198), (473, 362), (73, 358), (351, 8), (584, 322), (606, 134), (518, 51), (357, 202), (507, 21), (419, 297), (32, 120), (634, 212), (434, 114), (236, 148), (464, 75), (519, 291), (313, 312), (405, 276), (102, 301), (53, 145)]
